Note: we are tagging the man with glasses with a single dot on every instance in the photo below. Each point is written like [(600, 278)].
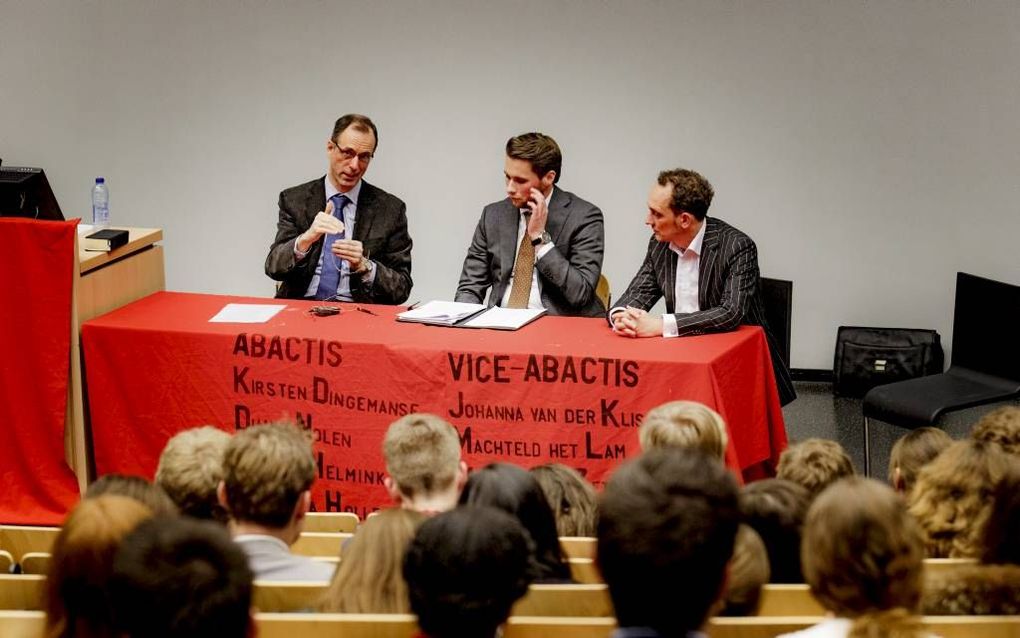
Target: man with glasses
[(541, 247), (338, 237)]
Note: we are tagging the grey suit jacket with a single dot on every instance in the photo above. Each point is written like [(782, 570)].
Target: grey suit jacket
[(270, 559), (569, 273), (381, 227), (729, 290)]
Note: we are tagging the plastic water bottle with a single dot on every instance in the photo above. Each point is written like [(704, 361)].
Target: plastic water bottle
[(100, 203)]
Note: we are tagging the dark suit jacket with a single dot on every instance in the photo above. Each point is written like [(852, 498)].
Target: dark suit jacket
[(381, 226), (729, 291), (568, 273)]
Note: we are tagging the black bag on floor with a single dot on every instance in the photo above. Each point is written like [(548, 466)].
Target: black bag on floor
[(866, 357)]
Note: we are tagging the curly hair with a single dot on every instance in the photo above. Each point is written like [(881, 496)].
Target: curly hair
[(973, 590), (863, 556), (952, 497), (691, 192), (684, 424), (815, 464), (572, 498), (776, 510), (1000, 426), (1001, 542)]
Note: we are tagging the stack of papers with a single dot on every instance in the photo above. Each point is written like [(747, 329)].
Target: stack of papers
[(470, 315)]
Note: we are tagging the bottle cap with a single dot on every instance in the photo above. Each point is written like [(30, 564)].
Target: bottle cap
[(100, 180)]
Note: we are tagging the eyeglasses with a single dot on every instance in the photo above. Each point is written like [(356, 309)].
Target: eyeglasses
[(348, 154)]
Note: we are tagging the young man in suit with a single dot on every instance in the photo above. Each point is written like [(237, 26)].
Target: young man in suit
[(706, 269), (541, 247), (338, 237)]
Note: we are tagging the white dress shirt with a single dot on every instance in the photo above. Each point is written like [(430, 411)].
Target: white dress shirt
[(535, 298), (685, 291), (349, 217)]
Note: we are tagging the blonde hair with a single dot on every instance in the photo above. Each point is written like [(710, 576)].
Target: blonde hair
[(571, 498), (1000, 426), (76, 597), (911, 452), (684, 424), (815, 464), (266, 468), (862, 556), (369, 579), (952, 497), (748, 572), (191, 468), (422, 453)]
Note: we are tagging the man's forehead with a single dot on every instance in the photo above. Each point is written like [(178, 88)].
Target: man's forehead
[(355, 137), (519, 168)]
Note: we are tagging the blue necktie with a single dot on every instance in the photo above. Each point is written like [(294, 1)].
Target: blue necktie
[(329, 275)]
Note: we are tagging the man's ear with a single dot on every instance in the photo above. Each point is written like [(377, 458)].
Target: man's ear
[(304, 503), (392, 489), (462, 471), (221, 495), (253, 629), (547, 180), (898, 483)]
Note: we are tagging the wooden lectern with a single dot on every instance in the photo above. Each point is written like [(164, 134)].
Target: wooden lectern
[(104, 281)]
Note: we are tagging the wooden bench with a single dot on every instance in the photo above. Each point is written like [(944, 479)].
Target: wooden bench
[(22, 624), (789, 600), (21, 592), (19, 540), (584, 571), (319, 544), (334, 522), (944, 626), (36, 563), (287, 596), (578, 546)]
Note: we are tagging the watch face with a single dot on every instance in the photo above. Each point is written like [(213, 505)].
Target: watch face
[(546, 237)]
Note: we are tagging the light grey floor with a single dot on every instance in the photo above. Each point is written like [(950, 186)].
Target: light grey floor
[(817, 413)]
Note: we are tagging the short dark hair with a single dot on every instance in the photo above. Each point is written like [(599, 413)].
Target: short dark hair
[(181, 578), (149, 494), (465, 569), (691, 192), (539, 149), (776, 508), (516, 491), (666, 531), (358, 123)]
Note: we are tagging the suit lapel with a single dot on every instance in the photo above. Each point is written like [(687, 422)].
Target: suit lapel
[(364, 218), (669, 263), (509, 220), (707, 263), (316, 202), (558, 214)]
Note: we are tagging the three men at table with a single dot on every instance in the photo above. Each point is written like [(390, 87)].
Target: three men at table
[(338, 237), (706, 269), (542, 246)]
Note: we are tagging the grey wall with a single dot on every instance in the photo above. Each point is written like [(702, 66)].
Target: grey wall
[(870, 148)]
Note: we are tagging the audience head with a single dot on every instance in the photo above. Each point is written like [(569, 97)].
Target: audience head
[(776, 510), (1002, 531), (191, 468), (517, 492), (77, 598), (667, 522), (748, 573), (952, 498), (146, 493), (684, 424), (815, 464), (571, 497), (268, 471), (369, 579), (863, 556), (912, 452), (182, 578), (1000, 426), (422, 453), (465, 569)]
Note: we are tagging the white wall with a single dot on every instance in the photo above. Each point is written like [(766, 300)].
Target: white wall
[(870, 148)]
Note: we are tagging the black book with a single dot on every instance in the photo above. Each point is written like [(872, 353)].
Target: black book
[(105, 240)]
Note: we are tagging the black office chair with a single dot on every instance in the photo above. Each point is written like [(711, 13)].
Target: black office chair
[(985, 365), (777, 298)]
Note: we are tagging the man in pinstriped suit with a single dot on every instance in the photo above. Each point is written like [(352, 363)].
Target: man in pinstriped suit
[(706, 269)]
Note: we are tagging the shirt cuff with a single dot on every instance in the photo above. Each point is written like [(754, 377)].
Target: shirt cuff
[(669, 327), (298, 255), (543, 251), (612, 312)]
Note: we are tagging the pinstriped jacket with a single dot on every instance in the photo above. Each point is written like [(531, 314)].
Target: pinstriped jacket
[(729, 291)]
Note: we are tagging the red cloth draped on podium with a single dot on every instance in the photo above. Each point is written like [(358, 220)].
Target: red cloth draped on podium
[(37, 263)]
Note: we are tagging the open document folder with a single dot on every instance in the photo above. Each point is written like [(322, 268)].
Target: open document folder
[(470, 315)]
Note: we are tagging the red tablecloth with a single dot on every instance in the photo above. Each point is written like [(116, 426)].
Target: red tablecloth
[(560, 389)]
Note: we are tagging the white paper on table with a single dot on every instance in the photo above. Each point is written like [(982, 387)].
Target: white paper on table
[(246, 313), (441, 312), (503, 318)]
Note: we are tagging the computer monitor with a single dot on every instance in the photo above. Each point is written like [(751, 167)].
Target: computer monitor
[(25, 192)]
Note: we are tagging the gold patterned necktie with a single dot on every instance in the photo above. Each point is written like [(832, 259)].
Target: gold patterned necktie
[(524, 268)]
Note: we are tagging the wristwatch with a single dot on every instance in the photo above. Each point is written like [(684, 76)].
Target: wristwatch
[(544, 238)]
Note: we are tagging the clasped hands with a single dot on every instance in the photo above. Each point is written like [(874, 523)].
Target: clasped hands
[(350, 250), (634, 322)]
